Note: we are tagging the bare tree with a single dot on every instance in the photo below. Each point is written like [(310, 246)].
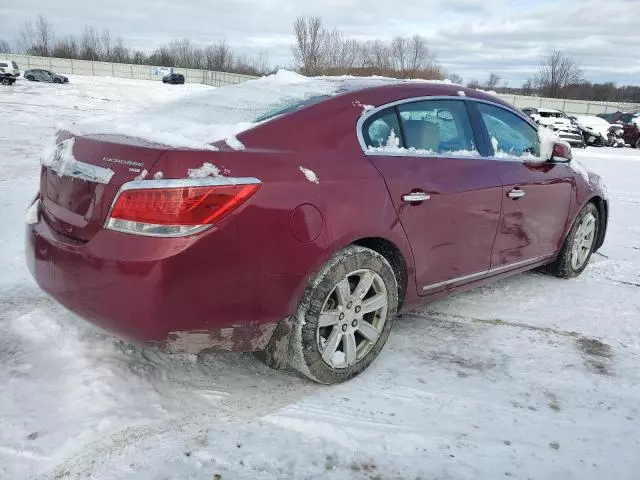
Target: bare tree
[(218, 57), (106, 47), (493, 81), (4, 46), (37, 40), (455, 78), (527, 87), (556, 72), (473, 84), (90, 44), (419, 56), (399, 54), (308, 51), (66, 48)]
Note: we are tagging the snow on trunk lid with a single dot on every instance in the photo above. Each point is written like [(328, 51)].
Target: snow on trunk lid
[(82, 175)]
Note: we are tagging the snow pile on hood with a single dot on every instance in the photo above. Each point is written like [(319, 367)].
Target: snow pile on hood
[(196, 121)]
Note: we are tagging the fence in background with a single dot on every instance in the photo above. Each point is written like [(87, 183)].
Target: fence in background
[(576, 107), (124, 70), (220, 79)]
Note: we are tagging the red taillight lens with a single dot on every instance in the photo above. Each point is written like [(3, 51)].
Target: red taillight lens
[(180, 206), (176, 208)]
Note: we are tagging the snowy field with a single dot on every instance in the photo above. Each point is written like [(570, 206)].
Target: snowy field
[(529, 378)]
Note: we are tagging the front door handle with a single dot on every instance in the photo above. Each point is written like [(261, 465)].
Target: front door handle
[(415, 197), (516, 193)]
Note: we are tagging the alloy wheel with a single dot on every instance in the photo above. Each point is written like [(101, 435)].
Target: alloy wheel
[(583, 241), (352, 318)]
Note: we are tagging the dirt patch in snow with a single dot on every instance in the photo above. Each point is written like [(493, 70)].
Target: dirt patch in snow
[(598, 356)]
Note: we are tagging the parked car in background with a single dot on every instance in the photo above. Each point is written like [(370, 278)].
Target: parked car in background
[(362, 213), (39, 75), (529, 111), (7, 79), (561, 124), (630, 125), (9, 66), (598, 132), (173, 78)]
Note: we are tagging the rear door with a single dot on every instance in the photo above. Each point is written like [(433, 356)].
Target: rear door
[(446, 194), (536, 197)]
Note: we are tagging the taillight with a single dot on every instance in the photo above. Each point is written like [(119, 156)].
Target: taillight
[(175, 208)]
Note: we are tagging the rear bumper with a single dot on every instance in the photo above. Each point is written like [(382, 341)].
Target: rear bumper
[(171, 293)]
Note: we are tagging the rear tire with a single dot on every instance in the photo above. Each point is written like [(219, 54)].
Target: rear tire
[(345, 316), (31, 78), (6, 81), (578, 247)]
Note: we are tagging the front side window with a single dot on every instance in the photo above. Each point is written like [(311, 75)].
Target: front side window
[(437, 127), (511, 136)]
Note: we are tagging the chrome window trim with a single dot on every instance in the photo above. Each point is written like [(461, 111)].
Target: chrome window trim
[(486, 272), (363, 118), (369, 113)]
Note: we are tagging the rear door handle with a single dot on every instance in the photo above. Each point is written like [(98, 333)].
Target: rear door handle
[(516, 193), (414, 197)]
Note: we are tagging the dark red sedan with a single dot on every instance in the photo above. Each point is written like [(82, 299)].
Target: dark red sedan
[(341, 203)]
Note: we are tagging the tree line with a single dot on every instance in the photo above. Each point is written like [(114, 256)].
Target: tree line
[(317, 50), (100, 45)]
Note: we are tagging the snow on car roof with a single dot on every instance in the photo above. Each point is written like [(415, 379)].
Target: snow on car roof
[(548, 110), (198, 120)]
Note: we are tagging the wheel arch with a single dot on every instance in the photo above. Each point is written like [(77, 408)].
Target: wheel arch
[(394, 256), (603, 211)]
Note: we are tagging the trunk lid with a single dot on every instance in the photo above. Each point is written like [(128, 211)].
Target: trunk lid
[(78, 186)]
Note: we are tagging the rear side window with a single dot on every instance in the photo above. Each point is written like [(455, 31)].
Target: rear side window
[(382, 130), (511, 136), (437, 126), (4, 65)]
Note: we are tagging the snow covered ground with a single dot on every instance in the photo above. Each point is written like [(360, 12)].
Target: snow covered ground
[(532, 377)]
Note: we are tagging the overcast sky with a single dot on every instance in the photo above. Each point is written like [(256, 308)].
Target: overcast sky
[(469, 37)]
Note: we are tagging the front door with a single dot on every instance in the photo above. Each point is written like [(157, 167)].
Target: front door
[(536, 196), (447, 196)]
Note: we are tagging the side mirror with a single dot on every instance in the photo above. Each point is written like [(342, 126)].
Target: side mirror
[(561, 153)]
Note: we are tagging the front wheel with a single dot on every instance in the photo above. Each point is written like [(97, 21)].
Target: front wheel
[(344, 317), (31, 78), (578, 247), (6, 81)]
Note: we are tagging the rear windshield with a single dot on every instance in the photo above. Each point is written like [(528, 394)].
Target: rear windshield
[(249, 102), (287, 107)]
